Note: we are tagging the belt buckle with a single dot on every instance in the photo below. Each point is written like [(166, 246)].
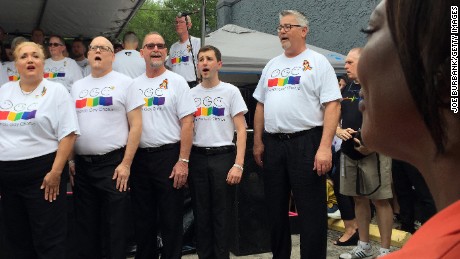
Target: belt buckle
[(284, 136)]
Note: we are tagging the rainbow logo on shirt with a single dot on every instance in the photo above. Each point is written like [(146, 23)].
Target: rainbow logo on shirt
[(15, 116), (154, 101), (93, 102), (180, 59), (282, 81), (352, 99), (53, 75), (14, 78), (208, 111)]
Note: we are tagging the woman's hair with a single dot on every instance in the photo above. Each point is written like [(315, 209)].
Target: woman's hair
[(420, 31), (61, 40), (41, 52), (16, 41)]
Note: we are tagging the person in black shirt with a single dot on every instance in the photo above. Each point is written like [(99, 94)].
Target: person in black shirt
[(364, 174)]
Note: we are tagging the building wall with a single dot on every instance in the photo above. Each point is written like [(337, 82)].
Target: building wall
[(334, 24)]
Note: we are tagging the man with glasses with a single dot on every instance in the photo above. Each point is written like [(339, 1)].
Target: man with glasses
[(181, 59), (59, 68), (364, 174), (295, 120), (110, 118), (160, 167), (129, 61)]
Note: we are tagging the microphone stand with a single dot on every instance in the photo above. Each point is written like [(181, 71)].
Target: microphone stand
[(191, 48)]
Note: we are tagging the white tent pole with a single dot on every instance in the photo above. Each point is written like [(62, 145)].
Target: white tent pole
[(203, 22)]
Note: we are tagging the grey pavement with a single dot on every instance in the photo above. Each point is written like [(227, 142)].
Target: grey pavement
[(333, 251)]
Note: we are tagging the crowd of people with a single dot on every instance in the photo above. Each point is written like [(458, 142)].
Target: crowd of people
[(152, 124)]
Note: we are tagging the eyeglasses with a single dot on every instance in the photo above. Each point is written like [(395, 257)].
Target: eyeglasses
[(178, 22), (151, 46), (287, 27), (101, 48), (54, 44)]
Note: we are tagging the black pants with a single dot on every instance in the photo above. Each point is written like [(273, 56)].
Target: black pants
[(35, 228), (411, 187), (153, 194), (100, 209), (288, 166), (212, 200), (345, 203)]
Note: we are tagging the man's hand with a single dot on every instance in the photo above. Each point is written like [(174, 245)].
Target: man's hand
[(345, 134), (179, 173), (361, 148), (72, 172), (258, 152), (51, 185), (323, 161), (234, 175), (122, 173)]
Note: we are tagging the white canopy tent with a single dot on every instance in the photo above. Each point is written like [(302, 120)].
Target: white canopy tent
[(68, 18), (245, 52)]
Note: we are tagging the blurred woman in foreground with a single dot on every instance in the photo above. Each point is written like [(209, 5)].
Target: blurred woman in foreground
[(404, 71)]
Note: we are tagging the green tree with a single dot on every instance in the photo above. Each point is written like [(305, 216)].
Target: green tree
[(154, 16)]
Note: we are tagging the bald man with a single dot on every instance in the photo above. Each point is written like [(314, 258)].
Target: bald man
[(364, 174), (109, 113), (129, 61)]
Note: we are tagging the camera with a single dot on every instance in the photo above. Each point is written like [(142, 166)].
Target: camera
[(357, 135)]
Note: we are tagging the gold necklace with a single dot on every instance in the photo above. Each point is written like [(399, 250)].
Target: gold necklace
[(25, 92)]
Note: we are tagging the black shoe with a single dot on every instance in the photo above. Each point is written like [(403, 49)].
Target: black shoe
[(352, 241)]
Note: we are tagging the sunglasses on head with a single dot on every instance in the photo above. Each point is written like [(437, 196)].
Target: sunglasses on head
[(151, 46)]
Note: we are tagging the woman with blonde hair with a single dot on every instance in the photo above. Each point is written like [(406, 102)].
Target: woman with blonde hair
[(38, 126)]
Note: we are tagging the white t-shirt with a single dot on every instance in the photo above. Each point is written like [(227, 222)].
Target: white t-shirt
[(8, 72), (336, 143), (167, 99), (65, 71), (129, 62), (1, 75), (102, 105), (216, 108), (82, 63), (87, 70), (180, 58), (32, 125), (293, 91)]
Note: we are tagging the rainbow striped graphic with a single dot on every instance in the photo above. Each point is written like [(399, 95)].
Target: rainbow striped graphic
[(14, 78), (352, 99), (154, 101), (53, 75), (208, 111), (93, 102), (15, 116), (282, 81), (180, 59)]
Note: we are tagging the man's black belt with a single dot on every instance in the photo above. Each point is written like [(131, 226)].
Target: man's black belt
[(158, 149), (286, 136), (102, 158), (213, 150)]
